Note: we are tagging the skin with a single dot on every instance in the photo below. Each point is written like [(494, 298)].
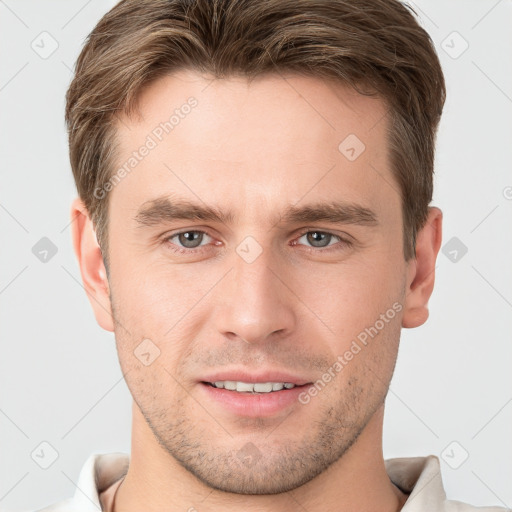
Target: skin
[(256, 149)]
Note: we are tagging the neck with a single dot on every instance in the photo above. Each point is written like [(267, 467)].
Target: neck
[(357, 481)]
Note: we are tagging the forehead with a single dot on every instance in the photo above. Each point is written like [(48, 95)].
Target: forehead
[(254, 144)]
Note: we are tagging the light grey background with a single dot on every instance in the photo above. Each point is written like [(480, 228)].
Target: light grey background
[(60, 380)]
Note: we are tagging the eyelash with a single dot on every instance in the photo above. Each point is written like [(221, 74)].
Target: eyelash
[(342, 241)]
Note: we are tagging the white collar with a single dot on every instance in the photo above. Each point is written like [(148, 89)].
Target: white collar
[(420, 477)]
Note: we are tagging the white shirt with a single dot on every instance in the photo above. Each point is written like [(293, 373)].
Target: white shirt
[(420, 477)]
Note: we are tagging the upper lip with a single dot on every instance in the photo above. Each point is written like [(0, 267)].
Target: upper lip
[(251, 377)]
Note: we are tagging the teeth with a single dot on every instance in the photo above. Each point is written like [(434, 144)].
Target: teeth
[(261, 387), (244, 387), (249, 387)]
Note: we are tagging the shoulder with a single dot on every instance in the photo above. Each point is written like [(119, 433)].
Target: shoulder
[(98, 473), (61, 506), (458, 506), (421, 479)]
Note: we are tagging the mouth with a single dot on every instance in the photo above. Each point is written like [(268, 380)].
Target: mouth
[(252, 396), (251, 387)]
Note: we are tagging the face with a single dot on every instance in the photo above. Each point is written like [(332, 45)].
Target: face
[(257, 242)]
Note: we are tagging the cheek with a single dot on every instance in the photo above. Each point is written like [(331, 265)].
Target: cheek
[(158, 312), (155, 299), (352, 296), (364, 364), (152, 384)]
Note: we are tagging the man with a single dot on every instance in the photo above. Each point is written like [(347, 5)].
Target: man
[(253, 224)]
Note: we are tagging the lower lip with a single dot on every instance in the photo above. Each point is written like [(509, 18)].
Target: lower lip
[(254, 405)]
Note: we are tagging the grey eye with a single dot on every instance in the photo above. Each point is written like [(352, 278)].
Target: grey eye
[(318, 238), (190, 239)]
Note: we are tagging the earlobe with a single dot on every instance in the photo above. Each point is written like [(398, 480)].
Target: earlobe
[(421, 270), (90, 261)]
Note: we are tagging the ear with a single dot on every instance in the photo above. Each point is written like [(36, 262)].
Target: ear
[(421, 270), (92, 268)]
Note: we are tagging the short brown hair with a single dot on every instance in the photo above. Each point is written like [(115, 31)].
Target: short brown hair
[(374, 46)]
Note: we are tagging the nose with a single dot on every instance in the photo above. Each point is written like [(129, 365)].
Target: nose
[(255, 301)]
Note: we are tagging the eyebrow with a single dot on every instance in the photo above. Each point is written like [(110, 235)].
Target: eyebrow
[(163, 209)]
